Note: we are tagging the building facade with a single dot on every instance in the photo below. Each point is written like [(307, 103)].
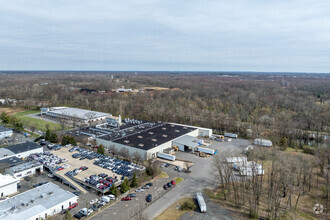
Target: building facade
[(8, 185)]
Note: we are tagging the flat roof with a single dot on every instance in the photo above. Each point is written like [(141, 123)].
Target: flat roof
[(32, 202), (23, 147), (4, 152), (155, 136), (10, 162), (187, 140), (5, 180), (24, 166), (3, 129), (77, 112)]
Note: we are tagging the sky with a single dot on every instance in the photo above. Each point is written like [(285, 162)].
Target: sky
[(165, 35)]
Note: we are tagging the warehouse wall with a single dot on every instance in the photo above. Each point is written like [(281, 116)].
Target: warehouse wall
[(8, 189)]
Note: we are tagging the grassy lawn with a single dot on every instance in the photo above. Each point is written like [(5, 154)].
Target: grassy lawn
[(178, 180), (38, 123), (173, 212), (163, 175)]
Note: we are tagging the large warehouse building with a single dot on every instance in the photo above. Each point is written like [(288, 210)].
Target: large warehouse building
[(80, 115), (22, 150), (143, 137), (39, 203)]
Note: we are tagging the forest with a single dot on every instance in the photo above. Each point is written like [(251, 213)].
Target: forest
[(292, 110)]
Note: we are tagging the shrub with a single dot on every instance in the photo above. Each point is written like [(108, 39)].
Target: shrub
[(308, 150), (188, 205)]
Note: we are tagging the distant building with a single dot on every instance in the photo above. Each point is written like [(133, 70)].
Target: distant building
[(22, 150), (263, 142), (8, 186), (5, 132), (38, 203), (80, 115)]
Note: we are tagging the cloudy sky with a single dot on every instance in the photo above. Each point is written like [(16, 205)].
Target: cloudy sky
[(184, 35)]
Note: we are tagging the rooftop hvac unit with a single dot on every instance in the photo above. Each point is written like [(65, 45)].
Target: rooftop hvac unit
[(164, 135), (51, 192), (154, 139), (164, 128), (177, 131), (32, 200), (141, 145), (139, 136)]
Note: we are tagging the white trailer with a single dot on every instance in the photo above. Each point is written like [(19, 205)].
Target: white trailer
[(207, 150), (201, 202), (166, 156), (230, 135)]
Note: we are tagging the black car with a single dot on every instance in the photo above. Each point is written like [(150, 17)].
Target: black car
[(149, 198), (76, 193), (169, 184), (78, 215), (165, 187), (149, 184)]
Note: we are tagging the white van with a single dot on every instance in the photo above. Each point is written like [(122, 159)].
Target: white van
[(84, 211), (105, 199)]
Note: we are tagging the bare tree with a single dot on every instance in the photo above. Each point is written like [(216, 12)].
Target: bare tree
[(90, 116), (62, 124), (188, 165), (32, 128)]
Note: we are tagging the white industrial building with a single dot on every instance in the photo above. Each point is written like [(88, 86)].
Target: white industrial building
[(22, 150), (150, 138), (8, 185), (38, 203), (5, 132), (80, 115), (187, 142), (263, 142), (25, 169)]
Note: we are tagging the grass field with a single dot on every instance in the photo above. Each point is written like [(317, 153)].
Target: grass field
[(38, 123), (178, 180), (173, 212)]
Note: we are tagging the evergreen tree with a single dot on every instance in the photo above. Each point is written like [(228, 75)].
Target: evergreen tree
[(68, 215), (124, 187), (4, 117), (100, 149), (134, 181), (113, 190)]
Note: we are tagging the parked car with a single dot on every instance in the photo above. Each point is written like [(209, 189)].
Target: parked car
[(78, 215), (169, 185), (93, 201), (165, 187), (73, 205), (146, 186), (127, 198), (150, 184), (132, 195), (139, 190), (173, 182), (149, 198)]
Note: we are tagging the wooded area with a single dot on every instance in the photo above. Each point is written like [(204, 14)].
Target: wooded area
[(291, 110)]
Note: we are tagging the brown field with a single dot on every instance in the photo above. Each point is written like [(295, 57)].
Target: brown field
[(11, 111)]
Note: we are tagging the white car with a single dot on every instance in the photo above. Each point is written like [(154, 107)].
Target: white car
[(139, 190), (93, 201), (90, 211), (50, 175)]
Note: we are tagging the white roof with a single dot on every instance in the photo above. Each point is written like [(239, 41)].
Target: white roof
[(236, 159), (77, 112), (36, 201), (7, 179), (187, 140), (4, 152)]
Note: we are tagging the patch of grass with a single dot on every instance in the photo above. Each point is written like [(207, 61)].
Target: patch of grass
[(213, 195), (163, 175), (173, 212), (178, 180), (38, 123), (26, 113)]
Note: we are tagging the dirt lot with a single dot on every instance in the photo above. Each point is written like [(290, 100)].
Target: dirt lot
[(11, 111), (76, 164)]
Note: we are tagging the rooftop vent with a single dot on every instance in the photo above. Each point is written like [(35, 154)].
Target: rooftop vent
[(126, 141), (32, 200), (150, 132), (154, 139), (141, 145), (139, 136), (185, 128), (164, 128), (50, 192), (172, 126), (164, 135), (177, 131)]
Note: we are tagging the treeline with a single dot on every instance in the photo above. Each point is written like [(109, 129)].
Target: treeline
[(11, 121), (276, 108)]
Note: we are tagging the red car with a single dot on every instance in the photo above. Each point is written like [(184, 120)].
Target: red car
[(61, 168), (73, 205), (173, 182), (127, 198)]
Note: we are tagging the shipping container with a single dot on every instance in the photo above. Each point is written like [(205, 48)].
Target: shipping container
[(201, 202)]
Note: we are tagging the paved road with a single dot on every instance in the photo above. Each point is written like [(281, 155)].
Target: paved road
[(201, 177)]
